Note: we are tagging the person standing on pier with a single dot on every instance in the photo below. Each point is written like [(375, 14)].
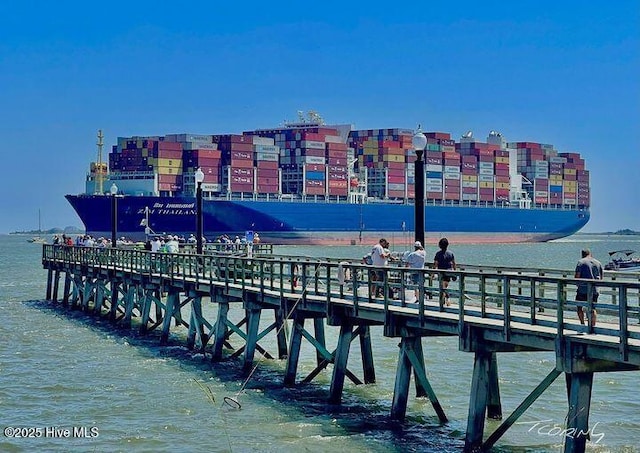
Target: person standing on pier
[(588, 268), (379, 257), (415, 260), (444, 259)]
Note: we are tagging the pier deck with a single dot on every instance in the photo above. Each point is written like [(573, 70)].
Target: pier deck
[(493, 310)]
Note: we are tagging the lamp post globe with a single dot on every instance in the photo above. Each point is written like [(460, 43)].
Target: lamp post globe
[(419, 143), (199, 177), (114, 213)]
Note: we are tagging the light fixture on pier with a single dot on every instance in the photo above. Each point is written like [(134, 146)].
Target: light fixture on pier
[(199, 177), (114, 213), (419, 143)]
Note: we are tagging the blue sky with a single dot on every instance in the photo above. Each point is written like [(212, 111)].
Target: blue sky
[(566, 73)]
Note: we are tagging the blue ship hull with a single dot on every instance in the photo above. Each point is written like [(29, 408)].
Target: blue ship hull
[(290, 222)]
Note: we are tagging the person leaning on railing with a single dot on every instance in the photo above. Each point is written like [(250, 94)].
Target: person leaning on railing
[(588, 268)]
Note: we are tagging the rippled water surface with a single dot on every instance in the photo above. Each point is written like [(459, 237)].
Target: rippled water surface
[(61, 370)]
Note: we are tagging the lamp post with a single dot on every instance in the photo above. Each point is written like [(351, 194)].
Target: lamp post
[(419, 142), (114, 213), (199, 176)]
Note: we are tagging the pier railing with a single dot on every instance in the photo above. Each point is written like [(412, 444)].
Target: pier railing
[(515, 297)]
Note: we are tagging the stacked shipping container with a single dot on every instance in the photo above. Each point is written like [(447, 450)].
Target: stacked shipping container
[(313, 161)]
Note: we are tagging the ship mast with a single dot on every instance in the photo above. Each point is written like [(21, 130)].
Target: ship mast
[(99, 173)]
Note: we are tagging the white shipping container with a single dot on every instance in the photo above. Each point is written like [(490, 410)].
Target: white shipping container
[(333, 139), (189, 138), (485, 171), (208, 187), (434, 181), (451, 169), (263, 140), (431, 188), (313, 159), (469, 196), (393, 186), (266, 148), (411, 172), (433, 167), (485, 165), (271, 157), (199, 145), (469, 184), (312, 144), (454, 176), (485, 178)]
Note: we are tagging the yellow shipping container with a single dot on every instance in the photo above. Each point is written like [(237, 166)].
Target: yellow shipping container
[(164, 162), (393, 158), (486, 184), (502, 185), (169, 171), (502, 160), (569, 171), (469, 177), (573, 184)]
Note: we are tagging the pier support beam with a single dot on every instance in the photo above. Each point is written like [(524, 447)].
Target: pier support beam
[(220, 331), (494, 405), (281, 333), (408, 359), (580, 385), (340, 364), (478, 401), (294, 350), (253, 321)]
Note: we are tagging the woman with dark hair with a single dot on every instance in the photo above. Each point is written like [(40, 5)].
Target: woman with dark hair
[(444, 259)]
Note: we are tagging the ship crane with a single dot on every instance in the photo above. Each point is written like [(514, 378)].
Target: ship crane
[(357, 191)]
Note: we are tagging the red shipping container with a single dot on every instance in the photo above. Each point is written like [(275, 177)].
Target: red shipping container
[(529, 145), (204, 162), (486, 197), (238, 171), (267, 189), (237, 187), (396, 194), (339, 191), (334, 161), (314, 183), (315, 190), (395, 179), (469, 190), (265, 181), (315, 167), (342, 184), (337, 169), (337, 146), (312, 152), (212, 178), (338, 176), (395, 165), (242, 179), (337, 154), (168, 146), (434, 195), (267, 164), (238, 155), (163, 179), (438, 135), (451, 195), (232, 138), (241, 163), (166, 154), (312, 136), (267, 172)]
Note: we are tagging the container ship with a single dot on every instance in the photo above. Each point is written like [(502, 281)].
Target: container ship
[(311, 183)]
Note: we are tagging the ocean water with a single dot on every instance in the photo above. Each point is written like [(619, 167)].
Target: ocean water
[(69, 382)]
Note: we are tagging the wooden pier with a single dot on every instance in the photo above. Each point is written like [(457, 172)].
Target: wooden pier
[(493, 310)]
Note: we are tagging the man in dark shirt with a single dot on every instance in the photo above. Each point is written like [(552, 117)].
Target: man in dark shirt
[(588, 268), (444, 259)]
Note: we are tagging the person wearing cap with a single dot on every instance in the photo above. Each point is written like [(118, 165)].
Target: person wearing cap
[(415, 260)]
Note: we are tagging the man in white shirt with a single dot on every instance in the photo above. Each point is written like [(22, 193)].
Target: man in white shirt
[(415, 260), (380, 258)]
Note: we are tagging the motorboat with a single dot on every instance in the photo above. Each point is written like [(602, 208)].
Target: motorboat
[(623, 261), (37, 240)]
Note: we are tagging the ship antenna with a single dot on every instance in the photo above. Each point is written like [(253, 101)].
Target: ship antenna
[(99, 174)]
